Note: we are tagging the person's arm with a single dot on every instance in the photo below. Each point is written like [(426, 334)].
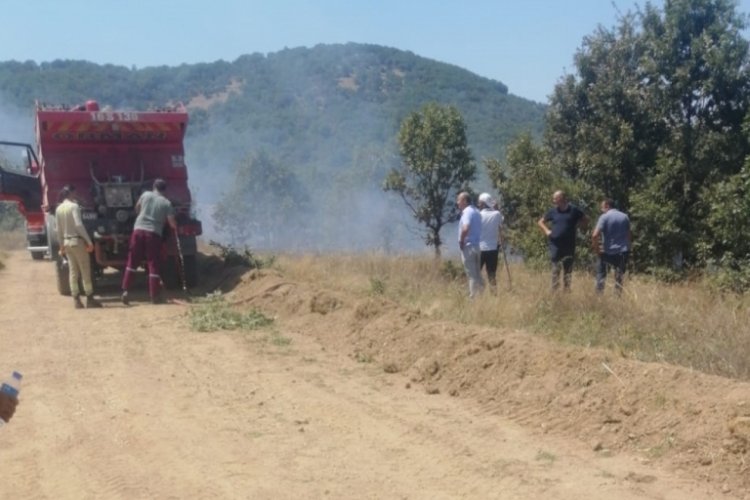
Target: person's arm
[(172, 221), (60, 236), (546, 230), (138, 203), (462, 237), (80, 229), (596, 241)]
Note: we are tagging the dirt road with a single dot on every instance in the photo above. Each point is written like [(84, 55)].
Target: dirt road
[(129, 403)]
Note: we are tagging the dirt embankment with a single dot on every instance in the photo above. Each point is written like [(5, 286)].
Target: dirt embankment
[(367, 400), (695, 423)]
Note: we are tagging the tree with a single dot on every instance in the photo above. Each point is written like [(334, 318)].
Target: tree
[(437, 164), (653, 115), (264, 204), (527, 180), (600, 129), (724, 244), (696, 74)]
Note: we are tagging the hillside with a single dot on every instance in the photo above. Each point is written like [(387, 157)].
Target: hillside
[(328, 113), (288, 98)]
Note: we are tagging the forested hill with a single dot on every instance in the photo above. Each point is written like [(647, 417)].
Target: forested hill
[(325, 112), (304, 104)]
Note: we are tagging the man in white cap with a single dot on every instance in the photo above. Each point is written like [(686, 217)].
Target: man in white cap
[(491, 237)]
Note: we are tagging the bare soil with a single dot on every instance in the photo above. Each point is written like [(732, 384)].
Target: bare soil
[(367, 400)]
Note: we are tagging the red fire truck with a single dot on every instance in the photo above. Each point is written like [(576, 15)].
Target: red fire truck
[(110, 157)]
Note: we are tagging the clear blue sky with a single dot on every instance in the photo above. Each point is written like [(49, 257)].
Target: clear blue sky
[(526, 44)]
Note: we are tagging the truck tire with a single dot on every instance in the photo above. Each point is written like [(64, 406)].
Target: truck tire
[(191, 270), (53, 246), (170, 273), (62, 272)]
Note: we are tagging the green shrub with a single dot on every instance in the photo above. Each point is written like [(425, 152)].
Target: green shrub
[(233, 256), (377, 286), (730, 274), (213, 313)]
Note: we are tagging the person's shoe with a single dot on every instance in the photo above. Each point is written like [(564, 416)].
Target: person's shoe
[(124, 298), (77, 302), (92, 303)]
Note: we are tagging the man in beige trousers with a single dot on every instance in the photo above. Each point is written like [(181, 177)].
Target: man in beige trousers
[(75, 245)]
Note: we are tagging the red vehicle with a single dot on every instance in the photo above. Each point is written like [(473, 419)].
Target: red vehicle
[(110, 157)]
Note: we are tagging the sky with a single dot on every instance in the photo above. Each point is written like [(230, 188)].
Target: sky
[(526, 44)]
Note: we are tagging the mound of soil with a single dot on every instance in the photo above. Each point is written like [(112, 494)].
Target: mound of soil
[(693, 422)]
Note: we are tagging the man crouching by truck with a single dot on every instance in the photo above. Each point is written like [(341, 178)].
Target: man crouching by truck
[(75, 246), (154, 210)]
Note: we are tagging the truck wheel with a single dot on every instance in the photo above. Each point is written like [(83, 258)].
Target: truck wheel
[(170, 273), (37, 255), (53, 246), (63, 277), (191, 270)]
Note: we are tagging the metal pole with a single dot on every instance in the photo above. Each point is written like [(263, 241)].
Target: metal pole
[(507, 269), (182, 261)]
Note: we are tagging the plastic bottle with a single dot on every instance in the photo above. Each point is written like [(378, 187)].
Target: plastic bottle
[(11, 387)]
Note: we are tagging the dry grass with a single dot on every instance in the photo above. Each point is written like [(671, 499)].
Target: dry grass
[(688, 324)]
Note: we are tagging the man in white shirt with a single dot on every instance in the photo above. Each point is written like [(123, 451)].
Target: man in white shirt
[(492, 223), (469, 232)]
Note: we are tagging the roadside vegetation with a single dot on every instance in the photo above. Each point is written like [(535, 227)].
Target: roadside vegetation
[(12, 235), (213, 313), (690, 323)]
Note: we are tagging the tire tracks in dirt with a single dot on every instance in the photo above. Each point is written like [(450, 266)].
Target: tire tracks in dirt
[(129, 403)]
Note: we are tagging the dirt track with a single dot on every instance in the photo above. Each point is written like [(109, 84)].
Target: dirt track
[(129, 403)]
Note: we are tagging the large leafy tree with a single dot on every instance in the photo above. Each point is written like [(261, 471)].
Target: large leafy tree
[(725, 244), (653, 115), (527, 181), (696, 74), (437, 164), (599, 128)]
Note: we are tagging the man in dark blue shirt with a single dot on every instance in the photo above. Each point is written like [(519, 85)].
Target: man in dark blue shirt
[(565, 218)]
